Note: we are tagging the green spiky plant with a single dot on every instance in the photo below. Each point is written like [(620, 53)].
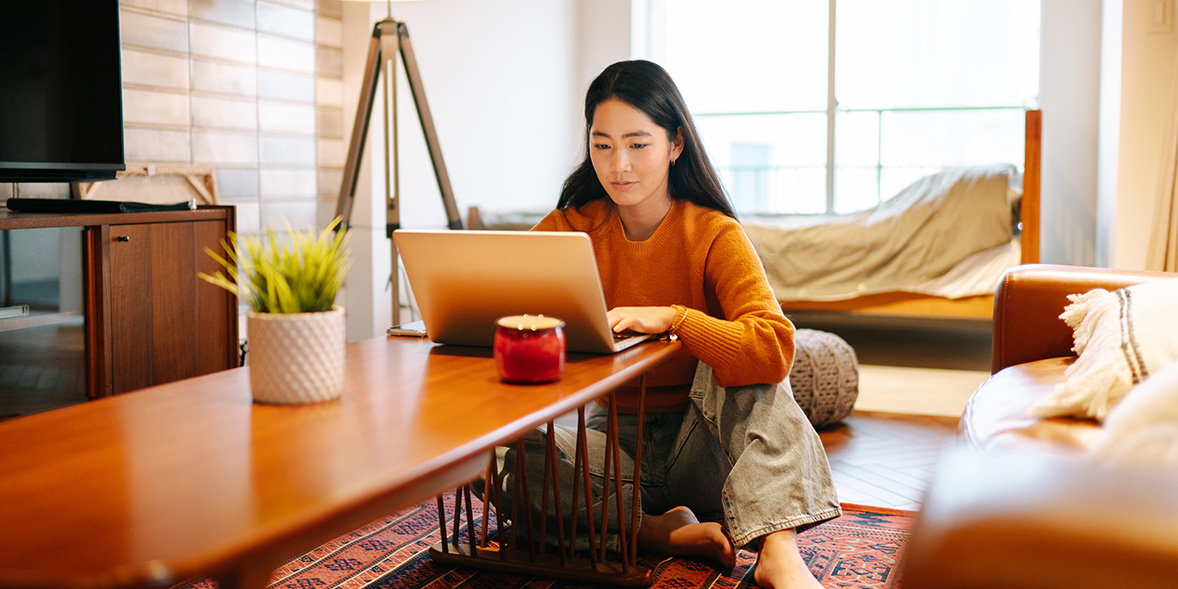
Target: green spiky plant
[(300, 277)]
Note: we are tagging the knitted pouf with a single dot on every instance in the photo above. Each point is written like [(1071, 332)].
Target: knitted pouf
[(825, 376)]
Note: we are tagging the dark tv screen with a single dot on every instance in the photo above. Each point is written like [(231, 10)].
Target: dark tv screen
[(61, 105)]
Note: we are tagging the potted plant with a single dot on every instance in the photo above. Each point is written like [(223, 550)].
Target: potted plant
[(296, 333)]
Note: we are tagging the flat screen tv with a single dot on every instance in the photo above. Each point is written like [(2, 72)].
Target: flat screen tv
[(61, 104)]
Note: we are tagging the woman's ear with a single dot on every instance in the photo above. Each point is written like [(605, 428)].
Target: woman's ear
[(677, 144)]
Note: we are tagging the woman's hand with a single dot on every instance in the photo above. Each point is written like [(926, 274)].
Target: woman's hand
[(641, 319)]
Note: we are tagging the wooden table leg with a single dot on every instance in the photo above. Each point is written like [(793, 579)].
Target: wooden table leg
[(527, 556)]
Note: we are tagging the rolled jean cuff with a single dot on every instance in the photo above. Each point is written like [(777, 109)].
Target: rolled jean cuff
[(751, 538)]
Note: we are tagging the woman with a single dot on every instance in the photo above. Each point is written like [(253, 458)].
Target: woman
[(722, 434)]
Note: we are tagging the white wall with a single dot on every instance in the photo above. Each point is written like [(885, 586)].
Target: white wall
[(1110, 125), (604, 36), (1107, 79), (500, 77), (1069, 96), (1139, 105)]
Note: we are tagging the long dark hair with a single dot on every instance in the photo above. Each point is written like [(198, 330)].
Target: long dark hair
[(647, 87)]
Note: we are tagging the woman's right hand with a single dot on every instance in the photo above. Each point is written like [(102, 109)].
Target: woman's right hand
[(641, 319)]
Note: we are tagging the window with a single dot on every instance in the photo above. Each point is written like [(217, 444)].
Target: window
[(831, 107)]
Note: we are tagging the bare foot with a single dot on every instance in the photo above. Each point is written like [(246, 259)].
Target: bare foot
[(678, 533), (780, 564)]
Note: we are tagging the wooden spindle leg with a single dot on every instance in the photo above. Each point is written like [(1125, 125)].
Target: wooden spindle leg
[(442, 523), (483, 540), (577, 466), (610, 434), (498, 478), (469, 519), (522, 481), (457, 515), (583, 450), (544, 494), (554, 466), (515, 521), (633, 556), (615, 447)]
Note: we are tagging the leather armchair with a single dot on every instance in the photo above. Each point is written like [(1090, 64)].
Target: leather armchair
[(1018, 504), (1029, 299), (1032, 348)]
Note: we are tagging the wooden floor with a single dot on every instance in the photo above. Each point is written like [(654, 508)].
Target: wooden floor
[(886, 459)]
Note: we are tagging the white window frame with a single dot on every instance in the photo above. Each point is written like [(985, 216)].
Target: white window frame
[(648, 41)]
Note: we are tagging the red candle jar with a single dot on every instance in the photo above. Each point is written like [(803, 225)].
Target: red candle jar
[(529, 348)]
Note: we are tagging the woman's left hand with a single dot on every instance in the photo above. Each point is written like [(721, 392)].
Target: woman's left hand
[(641, 319)]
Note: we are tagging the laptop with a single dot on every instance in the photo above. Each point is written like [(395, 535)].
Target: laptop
[(464, 280)]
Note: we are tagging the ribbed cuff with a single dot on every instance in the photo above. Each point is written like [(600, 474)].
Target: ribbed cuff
[(709, 337)]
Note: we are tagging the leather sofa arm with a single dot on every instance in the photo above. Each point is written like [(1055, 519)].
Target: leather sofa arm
[(1029, 299), (1036, 521)]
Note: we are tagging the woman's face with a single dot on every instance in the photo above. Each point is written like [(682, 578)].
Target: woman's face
[(631, 155)]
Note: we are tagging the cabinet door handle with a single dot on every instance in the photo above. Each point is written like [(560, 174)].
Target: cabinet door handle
[(123, 238)]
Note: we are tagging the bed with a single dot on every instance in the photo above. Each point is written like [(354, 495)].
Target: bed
[(935, 250)]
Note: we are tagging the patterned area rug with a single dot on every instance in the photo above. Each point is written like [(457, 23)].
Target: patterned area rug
[(859, 549)]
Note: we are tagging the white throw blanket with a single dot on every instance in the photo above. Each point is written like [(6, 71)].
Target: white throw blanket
[(1144, 428), (1121, 338)]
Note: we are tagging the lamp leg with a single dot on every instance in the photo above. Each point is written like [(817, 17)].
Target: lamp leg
[(390, 38), (347, 191), (390, 46)]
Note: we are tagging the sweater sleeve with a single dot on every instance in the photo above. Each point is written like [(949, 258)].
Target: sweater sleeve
[(754, 342)]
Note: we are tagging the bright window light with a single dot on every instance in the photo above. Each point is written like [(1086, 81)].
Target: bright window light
[(919, 85)]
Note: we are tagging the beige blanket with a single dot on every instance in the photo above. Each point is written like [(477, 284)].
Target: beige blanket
[(915, 237)]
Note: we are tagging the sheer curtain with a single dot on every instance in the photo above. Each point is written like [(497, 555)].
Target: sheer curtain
[(1163, 243)]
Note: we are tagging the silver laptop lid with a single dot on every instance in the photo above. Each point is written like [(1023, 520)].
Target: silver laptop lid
[(464, 280)]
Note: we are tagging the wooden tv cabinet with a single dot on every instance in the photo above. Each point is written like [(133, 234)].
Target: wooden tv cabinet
[(148, 318)]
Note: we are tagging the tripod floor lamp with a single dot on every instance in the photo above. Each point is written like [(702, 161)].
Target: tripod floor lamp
[(390, 38)]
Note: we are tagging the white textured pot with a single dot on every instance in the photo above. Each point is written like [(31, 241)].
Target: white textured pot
[(296, 357)]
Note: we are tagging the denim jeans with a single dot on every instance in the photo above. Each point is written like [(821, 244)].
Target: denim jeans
[(746, 456)]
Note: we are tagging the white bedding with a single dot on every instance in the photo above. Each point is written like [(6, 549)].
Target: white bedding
[(948, 235), (977, 274)]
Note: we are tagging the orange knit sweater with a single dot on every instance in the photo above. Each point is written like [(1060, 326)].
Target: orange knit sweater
[(701, 259)]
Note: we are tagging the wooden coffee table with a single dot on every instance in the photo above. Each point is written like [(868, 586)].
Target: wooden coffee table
[(191, 478)]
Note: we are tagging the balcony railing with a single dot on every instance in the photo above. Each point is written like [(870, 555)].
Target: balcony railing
[(811, 189)]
